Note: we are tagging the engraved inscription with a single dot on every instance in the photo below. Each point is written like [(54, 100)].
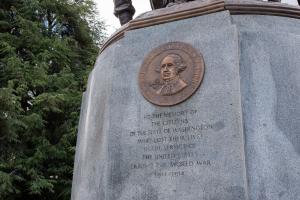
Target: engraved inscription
[(171, 146)]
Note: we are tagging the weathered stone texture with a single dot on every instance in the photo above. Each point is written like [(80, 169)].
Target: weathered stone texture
[(247, 114)]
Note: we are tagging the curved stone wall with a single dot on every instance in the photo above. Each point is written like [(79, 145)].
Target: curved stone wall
[(243, 140)]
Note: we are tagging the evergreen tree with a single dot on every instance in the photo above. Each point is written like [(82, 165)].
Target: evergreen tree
[(47, 48)]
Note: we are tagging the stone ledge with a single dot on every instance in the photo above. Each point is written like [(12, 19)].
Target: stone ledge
[(197, 8)]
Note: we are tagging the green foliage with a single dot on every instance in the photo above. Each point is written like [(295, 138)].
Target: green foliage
[(47, 48)]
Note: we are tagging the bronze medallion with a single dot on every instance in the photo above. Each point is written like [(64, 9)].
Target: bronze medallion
[(171, 73)]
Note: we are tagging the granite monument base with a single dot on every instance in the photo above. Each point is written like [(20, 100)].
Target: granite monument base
[(236, 138)]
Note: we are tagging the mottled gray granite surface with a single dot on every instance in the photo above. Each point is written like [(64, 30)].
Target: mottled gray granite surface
[(270, 86), (236, 138)]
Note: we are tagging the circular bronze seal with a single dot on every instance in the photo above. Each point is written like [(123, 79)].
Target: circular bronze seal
[(171, 73)]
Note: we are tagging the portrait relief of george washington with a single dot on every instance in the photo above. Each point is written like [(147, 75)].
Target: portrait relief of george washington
[(171, 73), (170, 81)]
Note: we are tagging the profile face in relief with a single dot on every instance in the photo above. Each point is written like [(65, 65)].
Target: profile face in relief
[(171, 73), (170, 68)]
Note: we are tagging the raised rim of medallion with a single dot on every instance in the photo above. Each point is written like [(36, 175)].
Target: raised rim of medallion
[(196, 79)]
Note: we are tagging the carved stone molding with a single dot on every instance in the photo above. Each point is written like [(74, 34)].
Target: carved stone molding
[(197, 8)]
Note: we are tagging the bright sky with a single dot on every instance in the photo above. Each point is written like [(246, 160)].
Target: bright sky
[(106, 9)]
